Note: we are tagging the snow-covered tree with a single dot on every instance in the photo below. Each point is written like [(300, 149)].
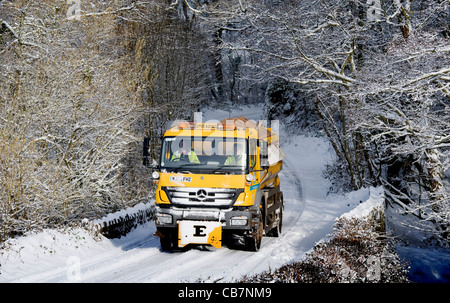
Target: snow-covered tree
[(70, 98), (378, 74)]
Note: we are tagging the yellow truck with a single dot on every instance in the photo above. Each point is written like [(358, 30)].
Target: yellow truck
[(218, 184)]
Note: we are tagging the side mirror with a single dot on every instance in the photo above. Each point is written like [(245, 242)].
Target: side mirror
[(264, 151), (147, 160), (264, 162)]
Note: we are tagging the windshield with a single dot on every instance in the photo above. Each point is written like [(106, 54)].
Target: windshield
[(204, 155)]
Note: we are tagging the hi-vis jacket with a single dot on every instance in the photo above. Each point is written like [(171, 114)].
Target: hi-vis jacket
[(234, 160), (191, 154)]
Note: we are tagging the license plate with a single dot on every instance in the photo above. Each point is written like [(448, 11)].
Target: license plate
[(180, 179), (200, 232)]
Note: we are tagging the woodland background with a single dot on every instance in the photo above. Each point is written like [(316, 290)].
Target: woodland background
[(83, 82)]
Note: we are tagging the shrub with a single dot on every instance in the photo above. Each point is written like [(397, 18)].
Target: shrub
[(357, 251)]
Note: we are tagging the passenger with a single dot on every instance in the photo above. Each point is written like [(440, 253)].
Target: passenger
[(236, 158)]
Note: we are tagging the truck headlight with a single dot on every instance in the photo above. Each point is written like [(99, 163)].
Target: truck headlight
[(163, 218), (238, 221)]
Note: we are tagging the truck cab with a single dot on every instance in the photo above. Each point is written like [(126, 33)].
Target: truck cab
[(216, 185)]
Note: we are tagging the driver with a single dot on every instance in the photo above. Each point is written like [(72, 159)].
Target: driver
[(184, 153)]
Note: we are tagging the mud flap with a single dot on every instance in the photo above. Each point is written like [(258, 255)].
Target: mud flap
[(200, 232)]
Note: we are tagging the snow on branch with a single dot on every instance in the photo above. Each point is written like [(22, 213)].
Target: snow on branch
[(437, 74), (107, 12), (343, 79), (9, 27), (188, 5)]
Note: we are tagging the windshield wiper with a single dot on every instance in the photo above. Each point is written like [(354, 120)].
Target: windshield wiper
[(177, 169), (220, 167)]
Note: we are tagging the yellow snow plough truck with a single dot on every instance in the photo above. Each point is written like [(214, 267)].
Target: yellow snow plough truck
[(218, 184)]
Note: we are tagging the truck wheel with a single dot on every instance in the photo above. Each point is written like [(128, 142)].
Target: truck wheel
[(168, 239), (253, 242), (276, 231)]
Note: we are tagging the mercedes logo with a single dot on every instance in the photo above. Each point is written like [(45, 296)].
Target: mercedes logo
[(201, 194)]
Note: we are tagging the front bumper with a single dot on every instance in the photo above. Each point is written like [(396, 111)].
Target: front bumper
[(229, 218)]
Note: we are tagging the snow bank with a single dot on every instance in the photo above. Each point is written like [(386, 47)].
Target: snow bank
[(122, 213), (374, 200), (120, 223)]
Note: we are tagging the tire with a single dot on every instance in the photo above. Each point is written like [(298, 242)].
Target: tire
[(253, 243), (168, 239), (234, 240), (276, 231)]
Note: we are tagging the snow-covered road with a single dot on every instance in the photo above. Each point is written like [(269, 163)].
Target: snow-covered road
[(53, 256), (74, 256)]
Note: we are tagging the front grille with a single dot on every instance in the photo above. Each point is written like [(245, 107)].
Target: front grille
[(197, 196)]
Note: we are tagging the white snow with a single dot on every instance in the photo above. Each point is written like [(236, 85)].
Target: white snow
[(75, 255), (375, 199)]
